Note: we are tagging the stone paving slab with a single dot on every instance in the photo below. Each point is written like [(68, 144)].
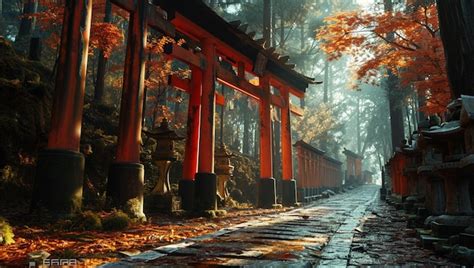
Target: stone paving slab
[(317, 234)]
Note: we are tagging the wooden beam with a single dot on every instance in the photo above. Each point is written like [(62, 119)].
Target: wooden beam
[(296, 110), (277, 101), (187, 56), (220, 99), (179, 83), (192, 30), (228, 78), (128, 5), (156, 21)]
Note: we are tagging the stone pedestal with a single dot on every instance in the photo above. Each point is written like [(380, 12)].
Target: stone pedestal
[(289, 192), (58, 182), (125, 188), (186, 192), (205, 192), (434, 190), (266, 193), (456, 188)]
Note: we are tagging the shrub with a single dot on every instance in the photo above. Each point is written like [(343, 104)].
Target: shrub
[(90, 221), (116, 221), (6, 232)]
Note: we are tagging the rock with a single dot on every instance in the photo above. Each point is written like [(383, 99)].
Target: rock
[(38, 255), (463, 255), (330, 192)]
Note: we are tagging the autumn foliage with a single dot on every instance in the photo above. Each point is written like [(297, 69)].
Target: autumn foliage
[(407, 43), (104, 36)]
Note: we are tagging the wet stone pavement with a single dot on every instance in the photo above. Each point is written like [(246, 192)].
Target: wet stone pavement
[(348, 229)]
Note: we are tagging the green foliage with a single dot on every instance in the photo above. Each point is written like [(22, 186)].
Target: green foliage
[(116, 221), (90, 221), (6, 232)]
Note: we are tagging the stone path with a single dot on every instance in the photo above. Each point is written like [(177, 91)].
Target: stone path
[(320, 233), (327, 233)]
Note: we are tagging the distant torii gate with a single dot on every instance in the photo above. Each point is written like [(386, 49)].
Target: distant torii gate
[(61, 166)]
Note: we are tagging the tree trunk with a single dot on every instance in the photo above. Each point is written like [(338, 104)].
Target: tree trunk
[(282, 28), (27, 25), (273, 26), (102, 65), (267, 22), (395, 101), (359, 140), (456, 19), (326, 81)]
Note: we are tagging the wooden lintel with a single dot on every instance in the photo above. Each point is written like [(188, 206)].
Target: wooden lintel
[(296, 110), (228, 78), (156, 21), (220, 99), (128, 5), (277, 101), (188, 57), (179, 83)]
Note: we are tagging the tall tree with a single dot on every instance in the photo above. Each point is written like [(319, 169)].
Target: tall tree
[(456, 18), (102, 65), (267, 22), (27, 24)]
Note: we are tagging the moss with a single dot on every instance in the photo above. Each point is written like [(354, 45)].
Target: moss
[(6, 232), (116, 221), (91, 221)]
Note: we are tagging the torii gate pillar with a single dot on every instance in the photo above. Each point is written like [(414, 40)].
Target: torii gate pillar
[(289, 184), (60, 169), (191, 153), (206, 179), (126, 175), (266, 184)]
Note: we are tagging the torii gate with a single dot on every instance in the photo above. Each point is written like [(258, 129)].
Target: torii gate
[(61, 166)]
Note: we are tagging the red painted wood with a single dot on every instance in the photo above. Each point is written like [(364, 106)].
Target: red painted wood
[(220, 99), (192, 30), (191, 152), (266, 164), (208, 107), (181, 84), (68, 98), (131, 108), (299, 155), (286, 155)]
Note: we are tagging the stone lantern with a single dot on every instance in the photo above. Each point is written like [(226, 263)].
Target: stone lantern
[(223, 170), (164, 157)]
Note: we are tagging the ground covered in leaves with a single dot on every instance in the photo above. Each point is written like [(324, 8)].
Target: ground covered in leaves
[(96, 247), (384, 239)]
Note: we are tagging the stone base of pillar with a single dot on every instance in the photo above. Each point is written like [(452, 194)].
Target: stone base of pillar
[(266, 193), (125, 188), (205, 191), (383, 193), (300, 195), (58, 182), (186, 192), (289, 193)]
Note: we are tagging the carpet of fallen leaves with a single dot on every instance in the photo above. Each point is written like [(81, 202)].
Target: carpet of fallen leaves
[(94, 247)]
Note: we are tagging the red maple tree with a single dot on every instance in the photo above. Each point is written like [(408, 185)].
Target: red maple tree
[(405, 42)]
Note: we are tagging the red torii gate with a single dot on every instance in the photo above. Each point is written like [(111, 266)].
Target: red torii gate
[(60, 166)]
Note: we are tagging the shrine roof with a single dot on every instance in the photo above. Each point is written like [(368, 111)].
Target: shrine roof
[(235, 37), (309, 147), (352, 154), (330, 159), (448, 129)]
